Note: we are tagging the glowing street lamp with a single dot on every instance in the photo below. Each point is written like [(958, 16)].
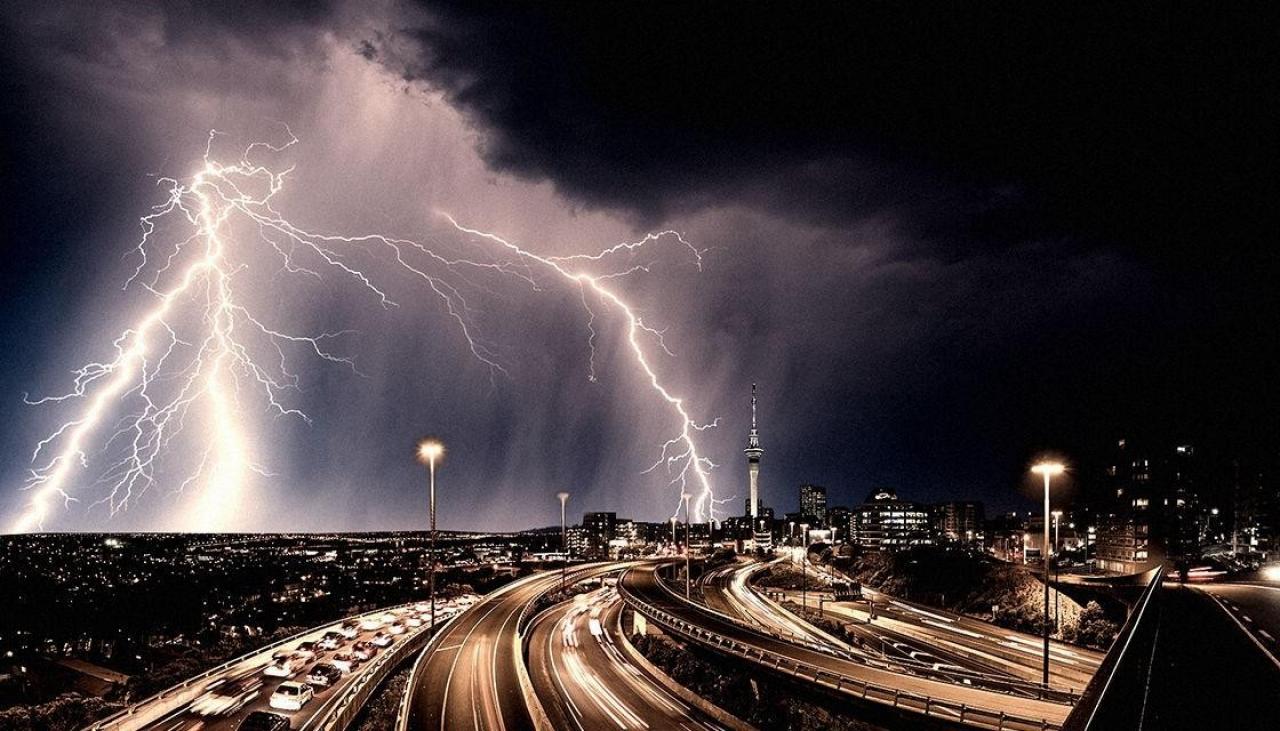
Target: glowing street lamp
[(429, 452), (564, 539), (1048, 469)]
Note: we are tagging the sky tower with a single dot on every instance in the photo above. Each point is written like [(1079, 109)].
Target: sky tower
[(753, 464), (754, 452)]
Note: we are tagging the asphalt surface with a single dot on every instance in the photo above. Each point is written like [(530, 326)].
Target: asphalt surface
[(1256, 609), (585, 681), (1209, 670), (907, 632), (643, 583), (183, 719), (469, 676)]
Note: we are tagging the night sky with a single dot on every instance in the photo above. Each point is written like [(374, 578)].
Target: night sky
[(942, 239)]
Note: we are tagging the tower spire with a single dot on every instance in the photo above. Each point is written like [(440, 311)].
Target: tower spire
[(753, 407), (753, 437)]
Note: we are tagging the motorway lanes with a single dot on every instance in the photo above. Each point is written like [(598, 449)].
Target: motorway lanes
[(1256, 610), (1206, 672), (909, 632), (586, 682), (726, 590), (643, 584), (468, 677), (184, 719)]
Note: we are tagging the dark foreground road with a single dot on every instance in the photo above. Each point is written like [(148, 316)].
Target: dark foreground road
[(1208, 673)]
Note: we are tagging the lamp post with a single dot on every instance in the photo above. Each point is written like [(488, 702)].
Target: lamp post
[(564, 539), (429, 452), (687, 525), (675, 544), (1048, 469)]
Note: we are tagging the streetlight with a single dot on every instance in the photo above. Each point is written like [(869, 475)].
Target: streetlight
[(687, 525), (675, 544), (429, 452), (1048, 469), (564, 539)]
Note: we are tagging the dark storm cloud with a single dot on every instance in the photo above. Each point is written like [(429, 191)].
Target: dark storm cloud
[(978, 122)]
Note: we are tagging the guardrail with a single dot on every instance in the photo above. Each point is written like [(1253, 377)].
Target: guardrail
[(995, 684), (848, 686), (129, 717), (1108, 700)]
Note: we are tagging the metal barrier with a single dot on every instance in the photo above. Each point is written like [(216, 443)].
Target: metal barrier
[(846, 685), (170, 698), (995, 684), (356, 695), (1108, 701)]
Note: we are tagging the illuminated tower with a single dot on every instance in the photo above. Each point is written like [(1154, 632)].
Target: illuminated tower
[(761, 534)]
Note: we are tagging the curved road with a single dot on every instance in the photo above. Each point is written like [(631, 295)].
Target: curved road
[(586, 682), (643, 584), (906, 632), (184, 719), (469, 676)]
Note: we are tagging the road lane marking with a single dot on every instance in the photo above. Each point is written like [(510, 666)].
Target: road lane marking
[(1243, 629)]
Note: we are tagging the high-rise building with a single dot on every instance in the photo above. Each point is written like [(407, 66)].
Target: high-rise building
[(600, 528), (884, 522), (813, 505), (754, 452), (962, 521), (838, 518), (1149, 511)]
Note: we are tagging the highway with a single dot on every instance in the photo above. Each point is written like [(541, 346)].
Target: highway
[(260, 687), (905, 632), (911, 628), (469, 676), (643, 585), (584, 679), (1256, 611), (1211, 667)]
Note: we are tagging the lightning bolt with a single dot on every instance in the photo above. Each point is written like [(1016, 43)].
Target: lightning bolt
[(198, 354)]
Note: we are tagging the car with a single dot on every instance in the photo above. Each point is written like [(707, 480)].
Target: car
[(264, 721), (306, 650), (225, 697), (382, 639), (346, 661), (291, 696), (323, 675), (285, 667), (396, 628), (364, 650), (388, 618), (371, 623), (281, 654), (350, 629), (423, 606), (413, 620), (331, 641)]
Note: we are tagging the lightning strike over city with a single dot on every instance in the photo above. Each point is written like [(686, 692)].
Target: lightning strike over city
[(198, 349), (423, 365)]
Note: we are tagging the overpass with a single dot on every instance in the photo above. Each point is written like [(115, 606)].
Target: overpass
[(846, 678)]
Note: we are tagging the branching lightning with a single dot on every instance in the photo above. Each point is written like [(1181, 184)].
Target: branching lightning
[(199, 361)]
